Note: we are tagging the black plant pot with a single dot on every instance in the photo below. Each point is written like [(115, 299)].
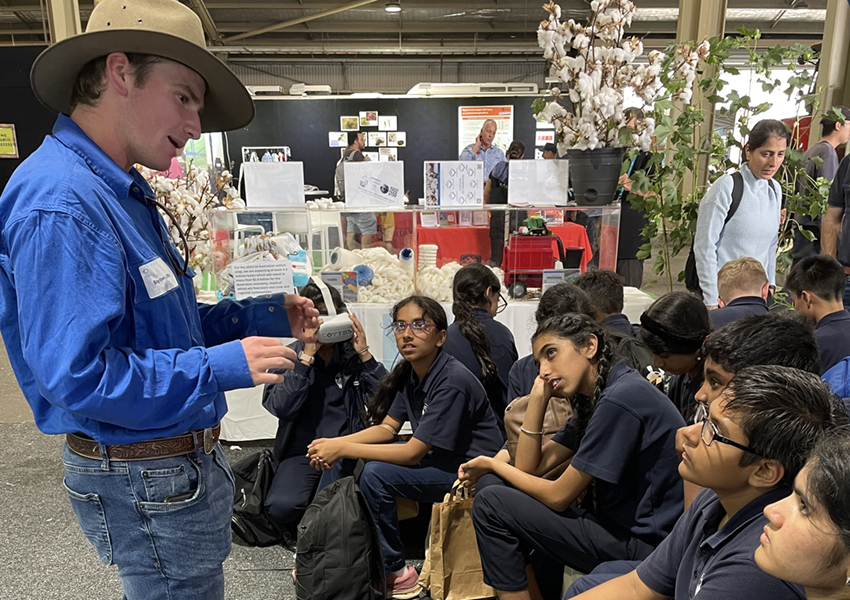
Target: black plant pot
[(594, 175)]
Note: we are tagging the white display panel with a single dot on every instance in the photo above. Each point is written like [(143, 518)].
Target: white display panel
[(273, 184), (454, 183), (538, 182), (374, 184)]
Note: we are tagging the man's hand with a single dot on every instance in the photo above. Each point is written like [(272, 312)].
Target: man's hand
[(303, 317), (626, 182), (478, 143), (264, 354)]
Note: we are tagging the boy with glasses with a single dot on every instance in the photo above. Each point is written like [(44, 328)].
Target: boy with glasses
[(746, 449)]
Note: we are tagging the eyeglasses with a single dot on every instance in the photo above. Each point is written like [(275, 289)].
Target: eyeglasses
[(710, 434), (502, 305), (417, 326)]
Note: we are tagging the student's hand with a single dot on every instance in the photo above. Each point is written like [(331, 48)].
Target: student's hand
[(541, 392), (311, 348), (325, 451), (264, 354), (469, 473), (359, 341), (626, 182), (303, 317)]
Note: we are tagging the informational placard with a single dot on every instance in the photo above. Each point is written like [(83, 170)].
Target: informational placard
[(262, 277), (345, 282), (552, 277), (544, 137), (471, 119), (538, 182), (338, 139), (374, 184), (8, 141), (273, 184), (454, 183)]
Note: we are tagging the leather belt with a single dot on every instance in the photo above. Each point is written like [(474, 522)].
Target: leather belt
[(158, 448)]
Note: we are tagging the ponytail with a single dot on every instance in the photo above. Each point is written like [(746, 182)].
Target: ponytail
[(577, 329), (469, 290)]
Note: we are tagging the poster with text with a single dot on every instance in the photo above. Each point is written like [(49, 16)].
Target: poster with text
[(454, 183), (544, 137), (374, 184), (338, 139), (262, 277), (471, 119), (8, 141)]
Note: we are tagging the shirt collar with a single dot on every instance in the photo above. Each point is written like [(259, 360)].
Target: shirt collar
[(75, 139), (618, 320), (424, 386), (748, 300), (481, 313), (714, 513), (617, 371), (839, 315)]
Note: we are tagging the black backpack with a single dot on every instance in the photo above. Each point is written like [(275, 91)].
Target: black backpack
[(250, 521), (691, 276), (631, 350), (338, 554)]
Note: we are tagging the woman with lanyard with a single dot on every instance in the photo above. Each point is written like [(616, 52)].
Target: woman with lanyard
[(753, 228), (496, 192), (674, 328)]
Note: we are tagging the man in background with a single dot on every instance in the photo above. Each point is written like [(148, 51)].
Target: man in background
[(483, 149), (550, 151), (364, 224)]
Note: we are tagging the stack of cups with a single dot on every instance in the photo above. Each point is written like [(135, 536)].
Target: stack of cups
[(427, 256)]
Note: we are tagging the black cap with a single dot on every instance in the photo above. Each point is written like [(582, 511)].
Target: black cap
[(550, 147)]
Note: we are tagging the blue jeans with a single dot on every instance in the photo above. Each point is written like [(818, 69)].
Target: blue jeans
[(172, 549), (381, 483)]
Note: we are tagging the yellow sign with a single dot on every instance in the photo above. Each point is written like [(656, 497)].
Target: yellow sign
[(8, 141)]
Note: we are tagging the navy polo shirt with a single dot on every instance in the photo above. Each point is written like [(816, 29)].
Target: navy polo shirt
[(697, 560), (521, 378), (739, 308), (503, 352), (682, 391), (833, 336), (449, 410), (619, 322), (629, 448)]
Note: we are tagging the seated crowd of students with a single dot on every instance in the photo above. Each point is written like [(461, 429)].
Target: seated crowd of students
[(736, 483)]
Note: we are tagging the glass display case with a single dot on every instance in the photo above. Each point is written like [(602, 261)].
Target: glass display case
[(381, 257)]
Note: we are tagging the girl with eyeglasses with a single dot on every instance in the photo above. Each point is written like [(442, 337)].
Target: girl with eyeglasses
[(451, 419), (476, 339), (620, 439)]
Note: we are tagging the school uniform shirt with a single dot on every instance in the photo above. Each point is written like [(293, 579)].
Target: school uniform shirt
[(682, 392), (449, 410), (629, 447), (521, 378), (839, 197), (739, 308), (503, 352), (833, 336), (619, 322), (699, 561)]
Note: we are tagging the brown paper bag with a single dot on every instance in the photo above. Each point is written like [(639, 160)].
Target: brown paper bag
[(452, 569)]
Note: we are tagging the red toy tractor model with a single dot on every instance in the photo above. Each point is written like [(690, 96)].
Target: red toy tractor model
[(527, 255)]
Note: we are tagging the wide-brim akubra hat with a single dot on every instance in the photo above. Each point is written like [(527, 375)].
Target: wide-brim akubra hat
[(161, 27)]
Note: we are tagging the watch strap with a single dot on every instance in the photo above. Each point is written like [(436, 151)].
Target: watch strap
[(306, 358)]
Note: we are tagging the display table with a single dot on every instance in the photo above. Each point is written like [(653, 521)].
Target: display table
[(246, 418)]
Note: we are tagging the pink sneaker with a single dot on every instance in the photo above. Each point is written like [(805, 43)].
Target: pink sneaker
[(404, 587)]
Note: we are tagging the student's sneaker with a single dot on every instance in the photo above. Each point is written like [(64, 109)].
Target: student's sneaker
[(404, 587)]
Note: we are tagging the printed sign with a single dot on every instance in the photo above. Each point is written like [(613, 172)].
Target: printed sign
[(273, 184), (8, 141), (345, 283), (454, 183), (374, 184), (471, 119), (262, 277)]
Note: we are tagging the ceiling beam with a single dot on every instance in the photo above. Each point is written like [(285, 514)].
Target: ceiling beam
[(483, 4), (291, 22), (207, 21)]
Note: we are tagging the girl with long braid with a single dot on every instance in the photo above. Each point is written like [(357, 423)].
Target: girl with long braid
[(476, 339), (451, 419), (621, 439)]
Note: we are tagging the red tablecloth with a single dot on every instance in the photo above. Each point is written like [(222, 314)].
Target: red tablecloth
[(574, 235)]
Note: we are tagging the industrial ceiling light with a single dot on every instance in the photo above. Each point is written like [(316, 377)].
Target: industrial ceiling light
[(393, 6)]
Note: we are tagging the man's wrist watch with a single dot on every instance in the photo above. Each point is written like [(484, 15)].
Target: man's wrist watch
[(306, 358)]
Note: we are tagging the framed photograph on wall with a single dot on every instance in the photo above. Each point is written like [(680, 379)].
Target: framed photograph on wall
[(338, 139), (388, 154), (377, 139), (349, 123), (397, 139), (368, 118), (388, 123)]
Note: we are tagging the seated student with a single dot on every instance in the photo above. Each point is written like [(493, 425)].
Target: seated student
[(558, 300), (605, 289), (807, 538), (674, 328), (816, 284), (742, 288), (621, 439), (746, 450), (476, 339), (323, 396), (457, 426)]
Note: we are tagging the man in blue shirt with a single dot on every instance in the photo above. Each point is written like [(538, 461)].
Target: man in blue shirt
[(746, 449), (483, 148), (97, 305), (816, 284), (742, 289)]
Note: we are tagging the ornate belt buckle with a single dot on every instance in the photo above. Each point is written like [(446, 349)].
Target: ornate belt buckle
[(209, 442)]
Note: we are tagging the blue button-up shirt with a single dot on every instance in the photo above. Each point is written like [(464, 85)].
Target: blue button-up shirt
[(99, 346), (492, 156)]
